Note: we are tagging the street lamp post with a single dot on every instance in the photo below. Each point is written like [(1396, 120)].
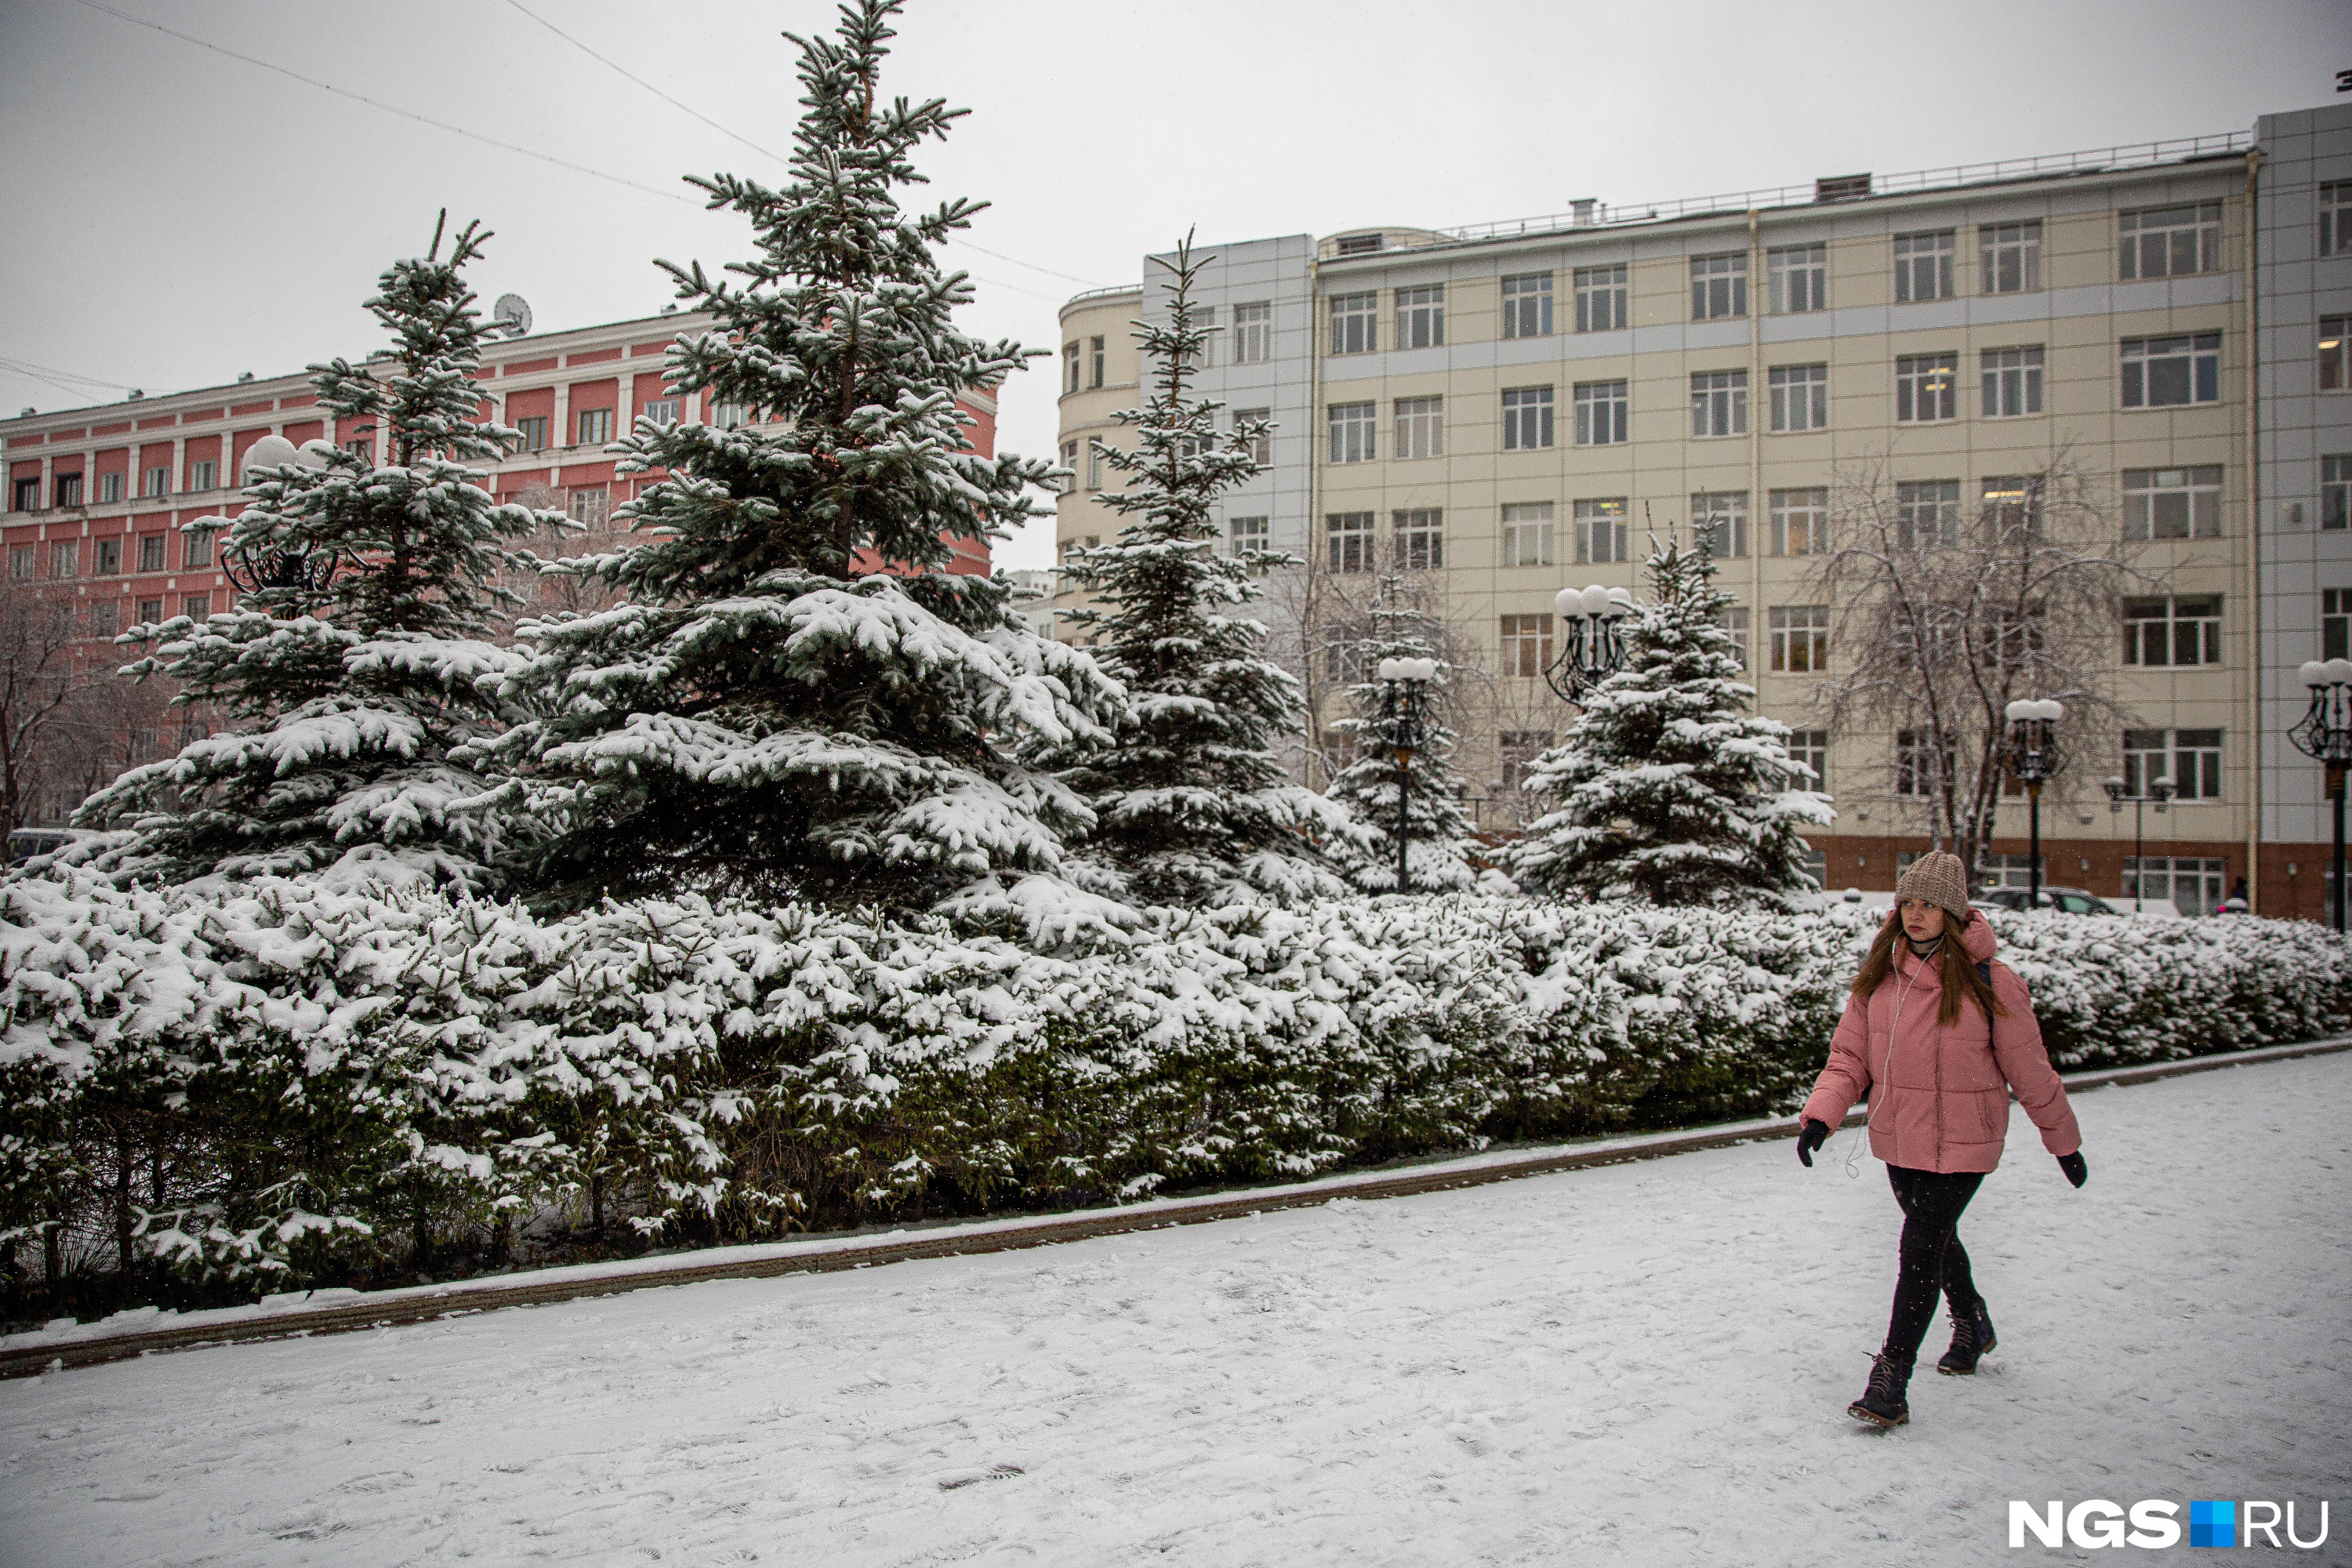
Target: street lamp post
[(2034, 759), (2159, 791), (2326, 736), (1592, 646), (1404, 726)]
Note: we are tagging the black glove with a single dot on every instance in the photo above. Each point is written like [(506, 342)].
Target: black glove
[(1815, 1133), (2077, 1172)]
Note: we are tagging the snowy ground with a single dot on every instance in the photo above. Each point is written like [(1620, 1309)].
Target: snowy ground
[(1644, 1363)]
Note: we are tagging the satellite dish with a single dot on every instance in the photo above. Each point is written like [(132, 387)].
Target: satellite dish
[(512, 312)]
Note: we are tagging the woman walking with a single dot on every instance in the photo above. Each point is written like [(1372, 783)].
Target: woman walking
[(1937, 1034)]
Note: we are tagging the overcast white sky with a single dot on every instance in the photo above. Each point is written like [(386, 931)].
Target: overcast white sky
[(174, 216)]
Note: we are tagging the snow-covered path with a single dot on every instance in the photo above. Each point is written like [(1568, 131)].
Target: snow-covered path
[(1640, 1363)]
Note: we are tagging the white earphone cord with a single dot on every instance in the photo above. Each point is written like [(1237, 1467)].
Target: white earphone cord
[(1854, 1144)]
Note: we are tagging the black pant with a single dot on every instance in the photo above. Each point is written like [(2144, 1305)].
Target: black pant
[(1934, 1261)]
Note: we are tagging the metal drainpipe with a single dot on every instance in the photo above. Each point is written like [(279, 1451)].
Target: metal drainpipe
[(1760, 409), (1314, 491), (2254, 736)]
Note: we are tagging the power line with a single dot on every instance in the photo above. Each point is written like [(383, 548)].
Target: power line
[(28, 367), (641, 82), (388, 108)]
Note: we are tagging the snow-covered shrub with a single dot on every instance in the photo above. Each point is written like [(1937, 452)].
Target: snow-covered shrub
[(314, 1081)]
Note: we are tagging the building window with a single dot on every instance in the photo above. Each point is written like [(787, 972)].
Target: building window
[(24, 561), (151, 552), (1095, 357), (2335, 354), (65, 558), (1800, 638), (2005, 501), (1927, 387), (1518, 749), (105, 618), (1601, 412), (1927, 514), (1812, 748), (1528, 533), (363, 447), (2172, 503), (662, 411), (198, 551), (1070, 367), (1421, 317), (730, 414), (1356, 322), (110, 488), (2335, 218), (202, 476), (1421, 427), (1526, 418), (1719, 403), (2336, 624), (1204, 318), (195, 606), (1420, 539), (1527, 305), (2193, 882), (150, 611), (1600, 299), (2012, 383), (590, 505), (2173, 631), (159, 482), (1798, 276), (1527, 645), (2336, 491), (1733, 620), (1800, 522), (107, 558), (1094, 464), (596, 427), (69, 488), (2169, 242), (2170, 373), (1246, 534), (1353, 432), (2192, 758), (1800, 397), (1070, 462), (1916, 775), (26, 496), (1719, 522), (1253, 334), (1601, 532), (1923, 265), (1351, 540), (1261, 445), (2012, 257), (1718, 285)]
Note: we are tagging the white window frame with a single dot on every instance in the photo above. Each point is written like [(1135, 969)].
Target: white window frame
[(2194, 758), (1529, 533), (663, 411), (65, 558), (111, 487), (1419, 538), (196, 549), (1354, 432), (532, 428), (1244, 535), (1927, 389), (1070, 359), (2173, 503), (2335, 490), (1604, 527), (2198, 355), (594, 426), (154, 553), (2009, 257), (1914, 772), (159, 482), (1526, 646), (1604, 410), (204, 474), (2335, 351), (1812, 748), (1600, 299), (2181, 240), (1261, 447), (1419, 427), (1526, 418), (1355, 318), (590, 505), (2012, 382), (1351, 540), (1254, 331), (2169, 626), (1923, 265), (1926, 514), (1798, 278), (1800, 638), (1719, 404), (1800, 520), (1096, 355), (1421, 316), (1800, 399), (1527, 305), (1720, 517), (1719, 286), (1733, 619)]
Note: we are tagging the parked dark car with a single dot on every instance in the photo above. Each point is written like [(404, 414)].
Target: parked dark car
[(2073, 900)]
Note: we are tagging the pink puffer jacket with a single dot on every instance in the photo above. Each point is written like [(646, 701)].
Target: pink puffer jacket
[(1939, 1097)]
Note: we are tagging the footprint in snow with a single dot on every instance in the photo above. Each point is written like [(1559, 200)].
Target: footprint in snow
[(999, 1472)]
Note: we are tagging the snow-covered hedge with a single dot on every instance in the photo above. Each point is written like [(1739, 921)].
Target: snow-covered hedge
[(298, 1081)]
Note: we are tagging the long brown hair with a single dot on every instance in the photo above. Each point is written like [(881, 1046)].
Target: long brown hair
[(1954, 968)]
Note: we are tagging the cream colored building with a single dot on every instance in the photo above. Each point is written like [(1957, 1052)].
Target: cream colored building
[(1513, 406)]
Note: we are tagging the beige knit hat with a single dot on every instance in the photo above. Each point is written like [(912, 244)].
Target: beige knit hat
[(1939, 878)]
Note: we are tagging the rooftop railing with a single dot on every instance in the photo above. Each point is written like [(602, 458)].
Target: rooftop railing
[(1840, 189)]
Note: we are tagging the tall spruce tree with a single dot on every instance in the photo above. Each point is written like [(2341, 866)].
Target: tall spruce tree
[(1437, 829), (351, 673), (1668, 789), (798, 699), (1192, 802)]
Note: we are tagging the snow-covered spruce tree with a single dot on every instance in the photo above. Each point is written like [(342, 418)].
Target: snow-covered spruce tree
[(350, 676), (1668, 789), (1193, 805), (1438, 857), (798, 700)]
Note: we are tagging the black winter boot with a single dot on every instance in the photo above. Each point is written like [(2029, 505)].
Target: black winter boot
[(1971, 1337), (1881, 1403)]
